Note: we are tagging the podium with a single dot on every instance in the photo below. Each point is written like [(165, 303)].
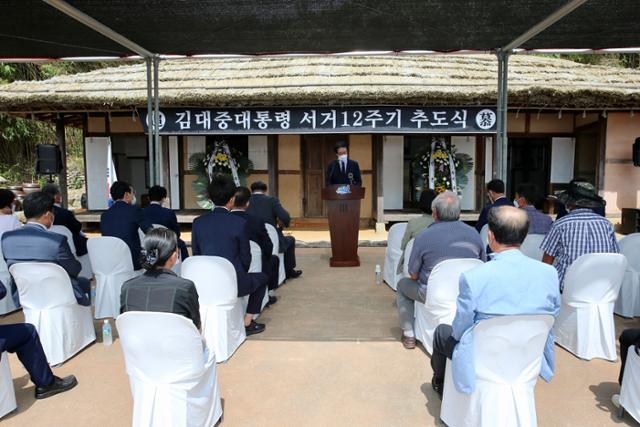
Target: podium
[(344, 224)]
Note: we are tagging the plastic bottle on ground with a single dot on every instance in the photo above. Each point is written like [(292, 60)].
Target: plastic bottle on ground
[(107, 338)]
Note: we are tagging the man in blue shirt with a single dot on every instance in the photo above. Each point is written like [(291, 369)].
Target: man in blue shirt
[(526, 197), (511, 284)]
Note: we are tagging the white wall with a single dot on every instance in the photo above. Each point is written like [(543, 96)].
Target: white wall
[(392, 170), (96, 153), (563, 151), (258, 151), (467, 145)]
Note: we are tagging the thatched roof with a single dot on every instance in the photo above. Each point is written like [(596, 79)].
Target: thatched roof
[(534, 81)]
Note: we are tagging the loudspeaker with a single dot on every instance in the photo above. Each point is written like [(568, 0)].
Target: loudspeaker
[(636, 152), (49, 159)]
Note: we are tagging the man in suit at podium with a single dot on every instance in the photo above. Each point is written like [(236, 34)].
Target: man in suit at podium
[(343, 170)]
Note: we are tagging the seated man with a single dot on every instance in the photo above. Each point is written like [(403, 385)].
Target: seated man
[(160, 289), (67, 219), (580, 232), (23, 339), (495, 192), (446, 238), (511, 284), (218, 233), (123, 219), (258, 233), (155, 213), (271, 211), (416, 225), (34, 242), (526, 197)]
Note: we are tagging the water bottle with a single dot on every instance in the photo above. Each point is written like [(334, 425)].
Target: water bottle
[(93, 294), (378, 275), (107, 338)]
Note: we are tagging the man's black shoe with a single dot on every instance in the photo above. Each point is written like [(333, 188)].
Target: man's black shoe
[(254, 328), (272, 300), (294, 274), (437, 386), (59, 385)]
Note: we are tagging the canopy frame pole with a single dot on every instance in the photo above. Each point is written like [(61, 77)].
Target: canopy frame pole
[(156, 119), (62, 144), (150, 123), (563, 11), (97, 26), (501, 145)]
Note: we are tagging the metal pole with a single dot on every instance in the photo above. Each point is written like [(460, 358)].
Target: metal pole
[(156, 118), (150, 121), (62, 176), (501, 148)]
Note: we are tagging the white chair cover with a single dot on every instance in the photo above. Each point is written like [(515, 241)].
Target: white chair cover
[(484, 235), (508, 356), (7, 305), (585, 323), (393, 253), (440, 302), (531, 246), (407, 255), (64, 326), (275, 240), (84, 260), (172, 374), (221, 310), (630, 389), (111, 263), (255, 267), (7, 393), (628, 302)]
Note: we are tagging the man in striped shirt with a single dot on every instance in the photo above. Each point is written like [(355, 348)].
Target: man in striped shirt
[(580, 232)]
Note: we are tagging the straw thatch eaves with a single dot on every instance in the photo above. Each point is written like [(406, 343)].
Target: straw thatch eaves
[(535, 82)]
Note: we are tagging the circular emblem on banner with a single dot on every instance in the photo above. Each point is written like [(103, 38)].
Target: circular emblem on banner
[(485, 119), (160, 116)]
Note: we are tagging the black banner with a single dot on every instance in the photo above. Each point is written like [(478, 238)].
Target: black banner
[(275, 120)]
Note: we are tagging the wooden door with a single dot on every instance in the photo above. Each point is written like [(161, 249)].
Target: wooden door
[(317, 152)]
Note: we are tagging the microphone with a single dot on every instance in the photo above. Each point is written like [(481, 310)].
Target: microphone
[(350, 176)]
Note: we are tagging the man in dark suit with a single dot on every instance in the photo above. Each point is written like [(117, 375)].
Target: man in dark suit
[(155, 213), (67, 219), (35, 243), (343, 170), (23, 339), (219, 233), (495, 191), (271, 211), (123, 219), (255, 227)]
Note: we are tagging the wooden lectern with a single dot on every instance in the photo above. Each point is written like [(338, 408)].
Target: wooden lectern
[(344, 224)]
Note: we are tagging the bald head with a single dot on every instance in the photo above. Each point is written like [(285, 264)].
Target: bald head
[(509, 225)]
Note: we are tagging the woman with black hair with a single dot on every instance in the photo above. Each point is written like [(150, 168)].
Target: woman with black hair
[(160, 289), (8, 220)]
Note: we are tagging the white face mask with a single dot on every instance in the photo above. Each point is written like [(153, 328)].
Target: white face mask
[(343, 157), (133, 200), (515, 203)]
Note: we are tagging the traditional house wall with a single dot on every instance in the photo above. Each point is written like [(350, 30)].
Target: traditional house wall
[(290, 174), (621, 178)]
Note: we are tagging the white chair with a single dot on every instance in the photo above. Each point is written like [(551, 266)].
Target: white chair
[(111, 263), (255, 267), (585, 323), (531, 246), (7, 392), (64, 326), (171, 373), (393, 253), (83, 260), (630, 389), (221, 310), (484, 235), (508, 355), (440, 302), (628, 302), (407, 255), (275, 240), (7, 305)]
